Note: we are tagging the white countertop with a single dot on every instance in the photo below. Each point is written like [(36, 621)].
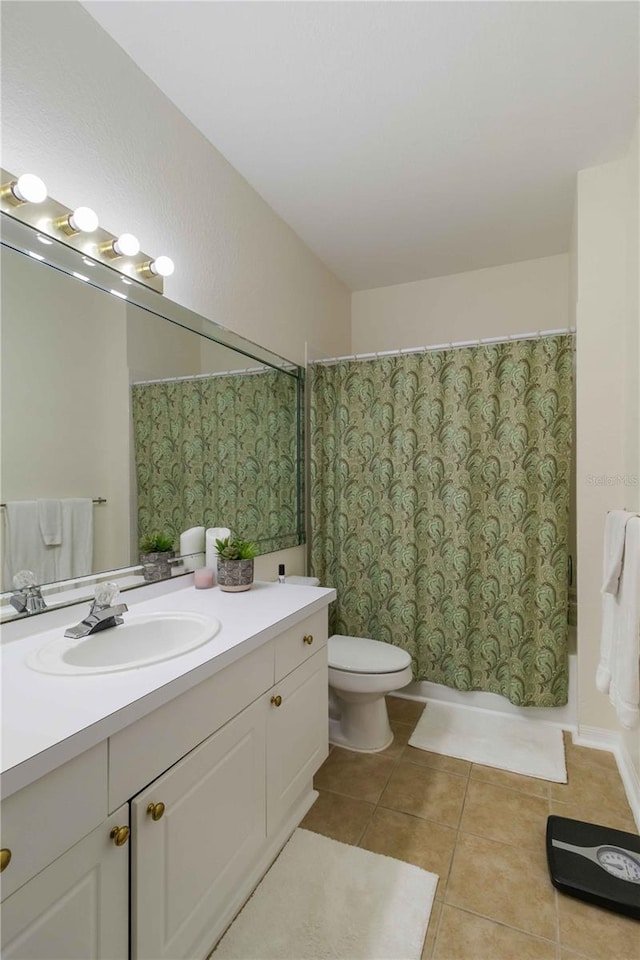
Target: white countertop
[(47, 720)]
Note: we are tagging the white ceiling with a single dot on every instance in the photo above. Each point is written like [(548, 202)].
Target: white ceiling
[(400, 140)]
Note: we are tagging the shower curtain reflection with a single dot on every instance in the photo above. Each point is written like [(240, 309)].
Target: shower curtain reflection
[(218, 451)]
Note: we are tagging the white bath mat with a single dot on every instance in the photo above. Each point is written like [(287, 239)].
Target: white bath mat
[(510, 743), (325, 899)]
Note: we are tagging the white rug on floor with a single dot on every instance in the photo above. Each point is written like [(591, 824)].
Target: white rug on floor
[(325, 899), (510, 743)]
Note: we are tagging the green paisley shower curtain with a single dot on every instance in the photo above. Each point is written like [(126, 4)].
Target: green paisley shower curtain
[(203, 455), (439, 510)]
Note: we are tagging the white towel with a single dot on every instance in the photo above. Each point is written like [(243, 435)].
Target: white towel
[(614, 531), (624, 692), (50, 519), (74, 556), (614, 535), (24, 548), (618, 672)]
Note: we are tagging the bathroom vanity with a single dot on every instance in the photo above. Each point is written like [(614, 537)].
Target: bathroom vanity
[(141, 807)]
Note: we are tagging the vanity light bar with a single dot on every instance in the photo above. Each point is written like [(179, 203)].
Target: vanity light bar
[(26, 199)]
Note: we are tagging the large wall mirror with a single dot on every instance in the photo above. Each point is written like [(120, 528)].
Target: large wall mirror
[(135, 416)]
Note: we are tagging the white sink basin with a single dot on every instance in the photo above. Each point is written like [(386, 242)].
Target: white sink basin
[(141, 640)]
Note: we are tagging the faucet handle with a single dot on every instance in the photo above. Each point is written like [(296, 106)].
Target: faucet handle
[(23, 579), (106, 594), (26, 597)]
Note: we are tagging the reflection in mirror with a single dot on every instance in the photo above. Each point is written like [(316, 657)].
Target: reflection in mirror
[(216, 442), (118, 423)]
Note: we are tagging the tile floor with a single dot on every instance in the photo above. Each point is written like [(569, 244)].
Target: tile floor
[(483, 832)]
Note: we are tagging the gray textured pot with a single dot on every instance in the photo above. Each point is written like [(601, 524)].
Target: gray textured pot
[(235, 575), (156, 566)]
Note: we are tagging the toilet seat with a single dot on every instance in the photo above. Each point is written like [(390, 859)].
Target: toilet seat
[(365, 656)]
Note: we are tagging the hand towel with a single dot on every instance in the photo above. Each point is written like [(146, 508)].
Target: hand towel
[(614, 538), (614, 531), (24, 548), (74, 557), (50, 519), (624, 691)]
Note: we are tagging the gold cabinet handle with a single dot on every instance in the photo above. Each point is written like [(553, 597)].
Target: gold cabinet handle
[(308, 639), (5, 858), (120, 835), (155, 810), (276, 701)]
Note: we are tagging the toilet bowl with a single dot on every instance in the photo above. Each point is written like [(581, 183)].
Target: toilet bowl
[(361, 673)]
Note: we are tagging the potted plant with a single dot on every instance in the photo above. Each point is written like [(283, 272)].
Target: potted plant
[(156, 550), (235, 564)]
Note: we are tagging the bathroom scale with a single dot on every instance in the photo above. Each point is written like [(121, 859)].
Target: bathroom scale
[(595, 863)]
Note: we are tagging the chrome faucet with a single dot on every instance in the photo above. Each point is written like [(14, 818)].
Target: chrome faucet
[(27, 597), (104, 612)]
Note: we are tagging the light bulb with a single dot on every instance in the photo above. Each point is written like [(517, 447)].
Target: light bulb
[(161, 266), (29, 189), (83, 220), (26, 189), (126, 245)]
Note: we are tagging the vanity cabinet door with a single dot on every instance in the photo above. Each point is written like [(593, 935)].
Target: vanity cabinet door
[(189, 861), (77, 908), (297, 735)]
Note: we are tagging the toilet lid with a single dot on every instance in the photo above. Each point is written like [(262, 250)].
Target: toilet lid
[(361, 655)]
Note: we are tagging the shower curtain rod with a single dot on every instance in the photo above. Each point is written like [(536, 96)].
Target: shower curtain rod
[(453, 345), (200, 376)]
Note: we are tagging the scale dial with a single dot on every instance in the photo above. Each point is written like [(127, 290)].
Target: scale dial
[(619, 863)]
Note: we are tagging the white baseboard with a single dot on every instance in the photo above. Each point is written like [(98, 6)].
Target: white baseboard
[(611, 740)]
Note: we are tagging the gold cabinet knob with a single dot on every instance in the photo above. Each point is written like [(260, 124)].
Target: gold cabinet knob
[(155, 810), (5, 858), (120, 835), (308, 639), (276, 701)]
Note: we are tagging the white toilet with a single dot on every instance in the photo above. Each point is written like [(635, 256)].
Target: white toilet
[(361, 673)]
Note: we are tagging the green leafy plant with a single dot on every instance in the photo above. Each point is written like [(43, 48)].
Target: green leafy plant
[(156, 543), (235, 548)]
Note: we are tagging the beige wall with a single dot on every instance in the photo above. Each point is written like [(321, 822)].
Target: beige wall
[(515, 298), (99, 132), (608, 370)]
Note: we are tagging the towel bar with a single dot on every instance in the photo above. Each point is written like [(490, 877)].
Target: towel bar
[(95, 500)]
